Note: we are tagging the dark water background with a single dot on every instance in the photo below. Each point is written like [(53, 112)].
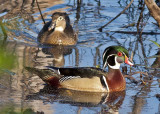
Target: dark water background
[(23, 92)]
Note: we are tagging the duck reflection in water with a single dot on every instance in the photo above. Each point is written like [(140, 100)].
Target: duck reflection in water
[(108, 102), (58, 52)]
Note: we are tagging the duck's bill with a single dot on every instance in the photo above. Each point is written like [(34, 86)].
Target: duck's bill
[(127, 61), (52, 26)]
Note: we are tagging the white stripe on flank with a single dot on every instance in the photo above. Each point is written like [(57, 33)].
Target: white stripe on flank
[(59, 72), (106, 83)]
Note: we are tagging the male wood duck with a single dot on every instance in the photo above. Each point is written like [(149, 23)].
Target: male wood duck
[(58, 31), (89, 78)]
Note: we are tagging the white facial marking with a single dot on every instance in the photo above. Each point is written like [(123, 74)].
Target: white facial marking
[(105, 53), (105, 64), (59, 72), (116, 66)]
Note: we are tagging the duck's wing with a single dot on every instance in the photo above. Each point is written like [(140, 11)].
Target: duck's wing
[(82, 72), (80, 78), (44, 74), (44, 32), (66, 73)]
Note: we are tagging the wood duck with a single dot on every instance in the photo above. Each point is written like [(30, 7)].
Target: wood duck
[(58, 31), (89, 78)]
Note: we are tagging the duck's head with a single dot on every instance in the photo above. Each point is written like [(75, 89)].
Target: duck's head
[(113, 56), (59, 21)]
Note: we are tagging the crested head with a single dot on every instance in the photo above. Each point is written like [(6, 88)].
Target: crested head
[(113, 56), (59, 21)]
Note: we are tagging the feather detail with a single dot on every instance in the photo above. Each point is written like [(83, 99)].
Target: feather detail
[(54, 69), (44, 74), (68, 78)]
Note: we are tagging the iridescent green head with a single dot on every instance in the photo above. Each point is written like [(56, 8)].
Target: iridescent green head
[(113, 56)]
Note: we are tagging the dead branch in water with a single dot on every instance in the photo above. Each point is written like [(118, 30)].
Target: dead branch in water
[(135, 32), (132, 79), (139, 72), (154, 10), (100, 29), (40, 12)]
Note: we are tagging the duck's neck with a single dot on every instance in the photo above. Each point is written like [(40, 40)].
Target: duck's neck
[(115, 80), (114, 73)]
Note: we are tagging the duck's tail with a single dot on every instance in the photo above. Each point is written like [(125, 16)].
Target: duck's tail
[(44, 74)]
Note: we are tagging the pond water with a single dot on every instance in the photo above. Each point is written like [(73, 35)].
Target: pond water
[(23, 92)]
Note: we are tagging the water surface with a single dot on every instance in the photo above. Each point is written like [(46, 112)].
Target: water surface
[(21, 91)]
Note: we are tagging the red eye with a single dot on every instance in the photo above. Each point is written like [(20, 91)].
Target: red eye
[(119, 54)]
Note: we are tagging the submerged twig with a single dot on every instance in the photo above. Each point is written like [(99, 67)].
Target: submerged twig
[(140, 18), (139, 72), (132, 79), (143, 82), (131, 59), (135, 32), (79, 110), (121, 28), (40, 12), (100, 29)]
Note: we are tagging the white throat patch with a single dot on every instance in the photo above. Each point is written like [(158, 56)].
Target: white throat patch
[(60, 29)]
